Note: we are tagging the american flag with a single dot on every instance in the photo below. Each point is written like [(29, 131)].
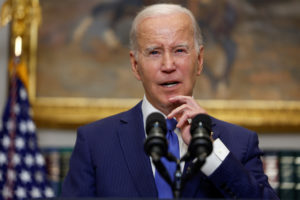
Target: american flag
[(22, 166)]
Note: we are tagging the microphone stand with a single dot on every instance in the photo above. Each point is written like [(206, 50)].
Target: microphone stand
[(176, 184), (161, 168), (179, 180)]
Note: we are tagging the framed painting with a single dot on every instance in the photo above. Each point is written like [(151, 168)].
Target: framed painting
[(80, 70)]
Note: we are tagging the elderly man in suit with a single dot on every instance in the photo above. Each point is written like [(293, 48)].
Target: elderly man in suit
[(108, 159)]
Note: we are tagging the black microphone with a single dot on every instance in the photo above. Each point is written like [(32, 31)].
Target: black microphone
[(201, 144), (156, 144)]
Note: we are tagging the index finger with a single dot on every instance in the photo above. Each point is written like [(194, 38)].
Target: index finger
[(184, 100), (180, 98)]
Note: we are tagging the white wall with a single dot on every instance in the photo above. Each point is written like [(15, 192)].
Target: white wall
[(283, 141), (50, 137)]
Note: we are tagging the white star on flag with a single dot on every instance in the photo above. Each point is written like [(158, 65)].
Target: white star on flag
[(20, 143), (23, 127), (23, 94), (40, 159), (49, 192), (35, 192), (30, 126), (20, 193), (29, 160), (25, 176), (2, 158), (6, 142)]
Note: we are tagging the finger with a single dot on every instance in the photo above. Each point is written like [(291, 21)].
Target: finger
[(186, 109), (185, 100), (186, 135), (180, 99), (177, 111), (183, 120)]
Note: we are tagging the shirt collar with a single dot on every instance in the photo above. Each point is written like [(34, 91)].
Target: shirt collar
[(147, 109)]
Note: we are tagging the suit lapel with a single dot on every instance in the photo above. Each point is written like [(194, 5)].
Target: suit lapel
[(132, 136)]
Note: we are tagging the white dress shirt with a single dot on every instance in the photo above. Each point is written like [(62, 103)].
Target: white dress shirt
[(213, 161)]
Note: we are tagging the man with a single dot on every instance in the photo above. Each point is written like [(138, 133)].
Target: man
[(108, 159)]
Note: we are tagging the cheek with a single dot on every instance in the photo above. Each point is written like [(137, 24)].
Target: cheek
[(150, 70), (147, 74), (188, 68)]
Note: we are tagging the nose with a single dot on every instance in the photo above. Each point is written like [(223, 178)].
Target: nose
[(168, 63)]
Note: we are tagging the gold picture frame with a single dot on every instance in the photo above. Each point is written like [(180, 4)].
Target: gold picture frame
[(71, 112)]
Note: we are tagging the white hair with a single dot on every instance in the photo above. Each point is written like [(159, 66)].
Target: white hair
[(158, 10)]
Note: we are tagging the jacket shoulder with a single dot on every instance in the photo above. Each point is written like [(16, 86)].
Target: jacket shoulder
[(229, 128), (111, 122), (242, 142)]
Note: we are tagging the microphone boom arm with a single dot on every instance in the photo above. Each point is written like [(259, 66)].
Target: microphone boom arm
[(161, 168)]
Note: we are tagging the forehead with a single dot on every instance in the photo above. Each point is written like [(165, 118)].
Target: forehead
[(165, 27)]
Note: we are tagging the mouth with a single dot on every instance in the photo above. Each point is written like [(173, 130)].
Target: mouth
[(170, 84)]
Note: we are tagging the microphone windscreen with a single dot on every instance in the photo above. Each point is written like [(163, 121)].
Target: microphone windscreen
[(152, 119), (206, 122)]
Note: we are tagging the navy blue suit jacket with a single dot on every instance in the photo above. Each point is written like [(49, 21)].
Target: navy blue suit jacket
[(109, 161)]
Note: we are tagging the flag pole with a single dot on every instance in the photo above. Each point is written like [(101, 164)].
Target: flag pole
[(10, 176)]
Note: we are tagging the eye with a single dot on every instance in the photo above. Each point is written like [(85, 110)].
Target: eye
[(154, 52), (180, 50)]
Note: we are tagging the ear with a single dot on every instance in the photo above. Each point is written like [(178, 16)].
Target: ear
[(200, 60), (134, 66)]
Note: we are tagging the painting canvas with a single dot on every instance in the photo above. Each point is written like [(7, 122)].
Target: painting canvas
[(252, 49), (80, 69)]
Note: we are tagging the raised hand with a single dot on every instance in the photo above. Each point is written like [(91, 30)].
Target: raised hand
[(188, 108)]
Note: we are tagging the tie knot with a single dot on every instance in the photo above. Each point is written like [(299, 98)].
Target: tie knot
[(171, 124)]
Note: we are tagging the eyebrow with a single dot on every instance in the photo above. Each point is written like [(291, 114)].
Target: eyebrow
[(183, 45), (151, 48)]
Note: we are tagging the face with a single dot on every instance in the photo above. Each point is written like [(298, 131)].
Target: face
[(167, 61)]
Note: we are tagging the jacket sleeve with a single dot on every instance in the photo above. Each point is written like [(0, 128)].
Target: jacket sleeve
[(80, 181), (246, 178)]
